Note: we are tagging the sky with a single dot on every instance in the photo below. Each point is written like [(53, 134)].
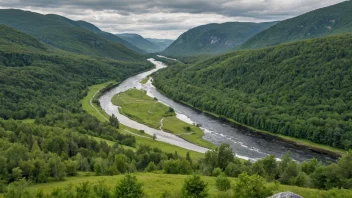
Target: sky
[(167, 19)]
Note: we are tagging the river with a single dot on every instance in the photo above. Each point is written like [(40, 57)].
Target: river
[(245, 143)]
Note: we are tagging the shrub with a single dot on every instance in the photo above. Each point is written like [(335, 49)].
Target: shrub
[(129, 188), (251, 186), (223, 183), (194, 187)]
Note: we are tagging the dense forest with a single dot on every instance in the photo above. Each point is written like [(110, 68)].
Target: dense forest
[(331, 20), (302, 89), (36, 80), (69, 35)]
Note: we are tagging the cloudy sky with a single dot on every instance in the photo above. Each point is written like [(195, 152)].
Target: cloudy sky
[(167, 18)]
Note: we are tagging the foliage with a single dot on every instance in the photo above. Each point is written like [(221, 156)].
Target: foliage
[(300, 89), (194, 187), (65, 34), (222, 183), (251, 186), (335, 19), (129, 188)]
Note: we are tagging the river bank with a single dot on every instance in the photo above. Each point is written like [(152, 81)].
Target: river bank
[(324, 149)]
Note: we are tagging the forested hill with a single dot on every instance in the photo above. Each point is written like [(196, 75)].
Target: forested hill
[(66, 34), (214, 38), (37, 80), (141, 42), (110, 37), (301, 89), (330, 20)]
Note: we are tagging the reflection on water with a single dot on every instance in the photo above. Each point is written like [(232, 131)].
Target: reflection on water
[(245, 143)]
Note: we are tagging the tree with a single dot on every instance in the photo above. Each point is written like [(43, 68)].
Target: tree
[(222, 183), (129, 187), (114, 121), (251, 186), (194, 187), (151, 167)]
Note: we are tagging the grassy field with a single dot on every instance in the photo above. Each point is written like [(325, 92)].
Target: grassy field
[(96, 111), (154, 184), (137, 105), (145, 80)]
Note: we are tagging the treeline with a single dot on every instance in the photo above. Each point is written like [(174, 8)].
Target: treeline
[(302, 89), (42, 153)]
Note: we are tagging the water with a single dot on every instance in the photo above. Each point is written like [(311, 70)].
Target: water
[(245, 143)]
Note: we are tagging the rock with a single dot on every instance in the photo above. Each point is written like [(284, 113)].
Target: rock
[(286, 195)]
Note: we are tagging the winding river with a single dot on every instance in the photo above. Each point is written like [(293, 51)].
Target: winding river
[(245, 143)]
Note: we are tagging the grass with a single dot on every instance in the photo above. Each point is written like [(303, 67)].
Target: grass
[(92, 108), (100, 114), (145, 80), (193, 134), (154, 184), (137, 105)]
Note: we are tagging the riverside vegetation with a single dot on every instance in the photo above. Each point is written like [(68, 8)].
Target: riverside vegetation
[(300, 89), (137, 105)]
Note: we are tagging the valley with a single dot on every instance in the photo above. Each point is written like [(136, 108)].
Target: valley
[(142, 99)]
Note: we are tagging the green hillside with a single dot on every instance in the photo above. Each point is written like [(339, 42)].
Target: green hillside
[(66, 34), (330, 20), (141, 42), (162, 43), (36, 80), (110, 37), (214, 38), (302, 89)]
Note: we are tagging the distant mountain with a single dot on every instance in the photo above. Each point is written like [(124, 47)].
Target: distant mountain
[(65, 34), (162, 43), (214, 38), (110, 37), (330, 20), (140, 42)]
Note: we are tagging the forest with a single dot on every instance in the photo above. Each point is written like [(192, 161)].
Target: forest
[(301, 89)]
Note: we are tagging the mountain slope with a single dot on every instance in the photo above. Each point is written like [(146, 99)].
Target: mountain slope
[(214, 38), (162, 43), (330, 20), (66, 34), (110, 37), (141, 42), (36, 79), (301, 89)]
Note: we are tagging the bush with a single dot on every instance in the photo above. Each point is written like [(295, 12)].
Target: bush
[(251, 186), (216, 172), (194, 187), (151, 167), (129, 188), (223, 183)]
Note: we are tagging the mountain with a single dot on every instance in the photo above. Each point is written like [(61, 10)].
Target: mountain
[(65, 34), (162, 43), (301, 89), (330, 20), (110, 37), (141, 42), (214, 38)]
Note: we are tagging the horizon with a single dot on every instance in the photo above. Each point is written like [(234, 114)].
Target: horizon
[(168, 20)]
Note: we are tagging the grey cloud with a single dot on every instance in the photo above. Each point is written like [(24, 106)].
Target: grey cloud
[(167, 18)]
